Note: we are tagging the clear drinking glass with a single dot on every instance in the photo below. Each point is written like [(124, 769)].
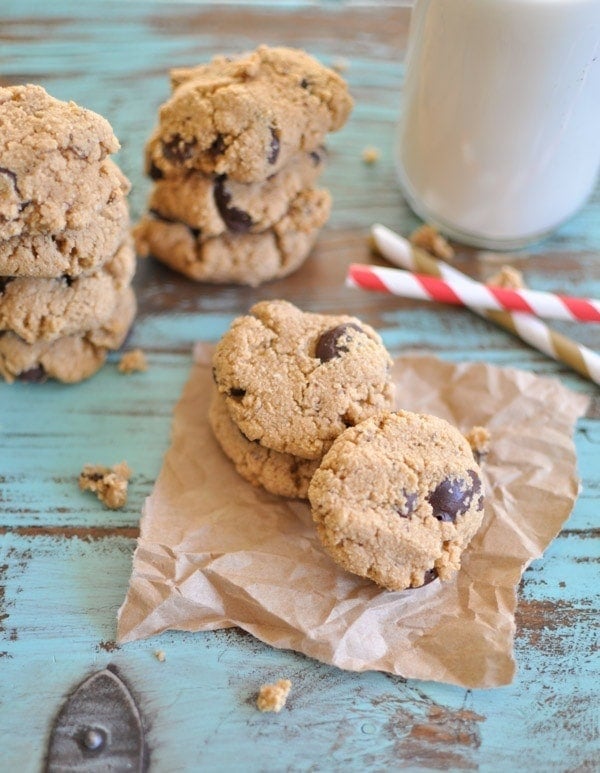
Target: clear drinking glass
[(499, 137)]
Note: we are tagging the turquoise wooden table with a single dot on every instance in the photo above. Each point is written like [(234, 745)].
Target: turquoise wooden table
[(66, 561)]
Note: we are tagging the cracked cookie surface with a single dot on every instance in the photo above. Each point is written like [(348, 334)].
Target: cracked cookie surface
[(250, 258), (246, 117), (47, 309), (281, 474), (295, 380), (397, 498), (51, 154)]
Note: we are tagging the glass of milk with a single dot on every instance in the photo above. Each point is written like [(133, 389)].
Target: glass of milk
[(499, 138)]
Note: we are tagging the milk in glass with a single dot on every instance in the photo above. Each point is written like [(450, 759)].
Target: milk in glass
[(499, 139)]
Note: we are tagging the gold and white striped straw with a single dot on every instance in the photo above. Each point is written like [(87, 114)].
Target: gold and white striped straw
[(527, 327)]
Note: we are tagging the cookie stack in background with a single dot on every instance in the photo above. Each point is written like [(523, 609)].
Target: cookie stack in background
[(235, 159), (66, 254)]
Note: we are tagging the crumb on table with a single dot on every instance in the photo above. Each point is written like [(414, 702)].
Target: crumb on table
[(272, 697), (479, 439), (108, 483), (370, 155), (428, 238), (132, 361), (509, 277), (160, 655)]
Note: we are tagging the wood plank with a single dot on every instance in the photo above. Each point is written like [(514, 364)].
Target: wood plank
[(59, 625)]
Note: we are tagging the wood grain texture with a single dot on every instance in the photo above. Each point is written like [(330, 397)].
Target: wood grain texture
[(65, 561)]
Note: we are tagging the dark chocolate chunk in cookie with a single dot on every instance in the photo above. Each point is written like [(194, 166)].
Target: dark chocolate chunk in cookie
[(333, 342), (35, 375), (218, 146), (452, 497), (177, 149), (234, 218)]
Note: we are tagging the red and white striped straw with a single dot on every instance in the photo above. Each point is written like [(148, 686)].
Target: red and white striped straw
[(527, 327), (467, 292)]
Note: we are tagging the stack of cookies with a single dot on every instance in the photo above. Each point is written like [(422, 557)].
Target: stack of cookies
[(234, 159), (288, 383), (304, 408), (66, 254)]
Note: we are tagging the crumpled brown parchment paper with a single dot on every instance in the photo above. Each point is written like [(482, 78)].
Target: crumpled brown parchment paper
[(215, 552)]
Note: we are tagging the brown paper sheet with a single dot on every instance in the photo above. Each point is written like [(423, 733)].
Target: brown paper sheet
[(215, 552)]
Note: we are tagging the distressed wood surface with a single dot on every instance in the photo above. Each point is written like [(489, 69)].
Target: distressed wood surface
[(65, 561)]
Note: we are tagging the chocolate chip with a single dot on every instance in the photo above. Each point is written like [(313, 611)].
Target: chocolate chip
[(35, 375), (4, 280), (331, 344), (235, 219), (450, 498), (218, 147), (177, 149), (304, 83), (68, 280), (410, 503), (237, 392), (316, 158), (274, 147), (429, 576), (154, 172)]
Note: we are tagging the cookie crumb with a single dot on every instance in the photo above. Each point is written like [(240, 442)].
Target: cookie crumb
[(132, 361), (479, 439), (108, 483), (509, 277), (272, 697), (370, 155), (428, 238), (160, 655), (340, 64)]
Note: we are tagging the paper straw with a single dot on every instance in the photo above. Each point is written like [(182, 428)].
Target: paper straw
[(527, 327), (459, 292)]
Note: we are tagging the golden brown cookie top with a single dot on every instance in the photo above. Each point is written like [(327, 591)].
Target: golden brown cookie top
[(397, 498), (246, 117), (46, 146), (295, 380)]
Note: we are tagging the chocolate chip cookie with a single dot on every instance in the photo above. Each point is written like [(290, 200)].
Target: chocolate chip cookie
[(250, 258), (71, 358), (47, 309), (218, 205), (50, 157), (247, 117), (397, 498), (281, 474), (72, 251), (294, 380)]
